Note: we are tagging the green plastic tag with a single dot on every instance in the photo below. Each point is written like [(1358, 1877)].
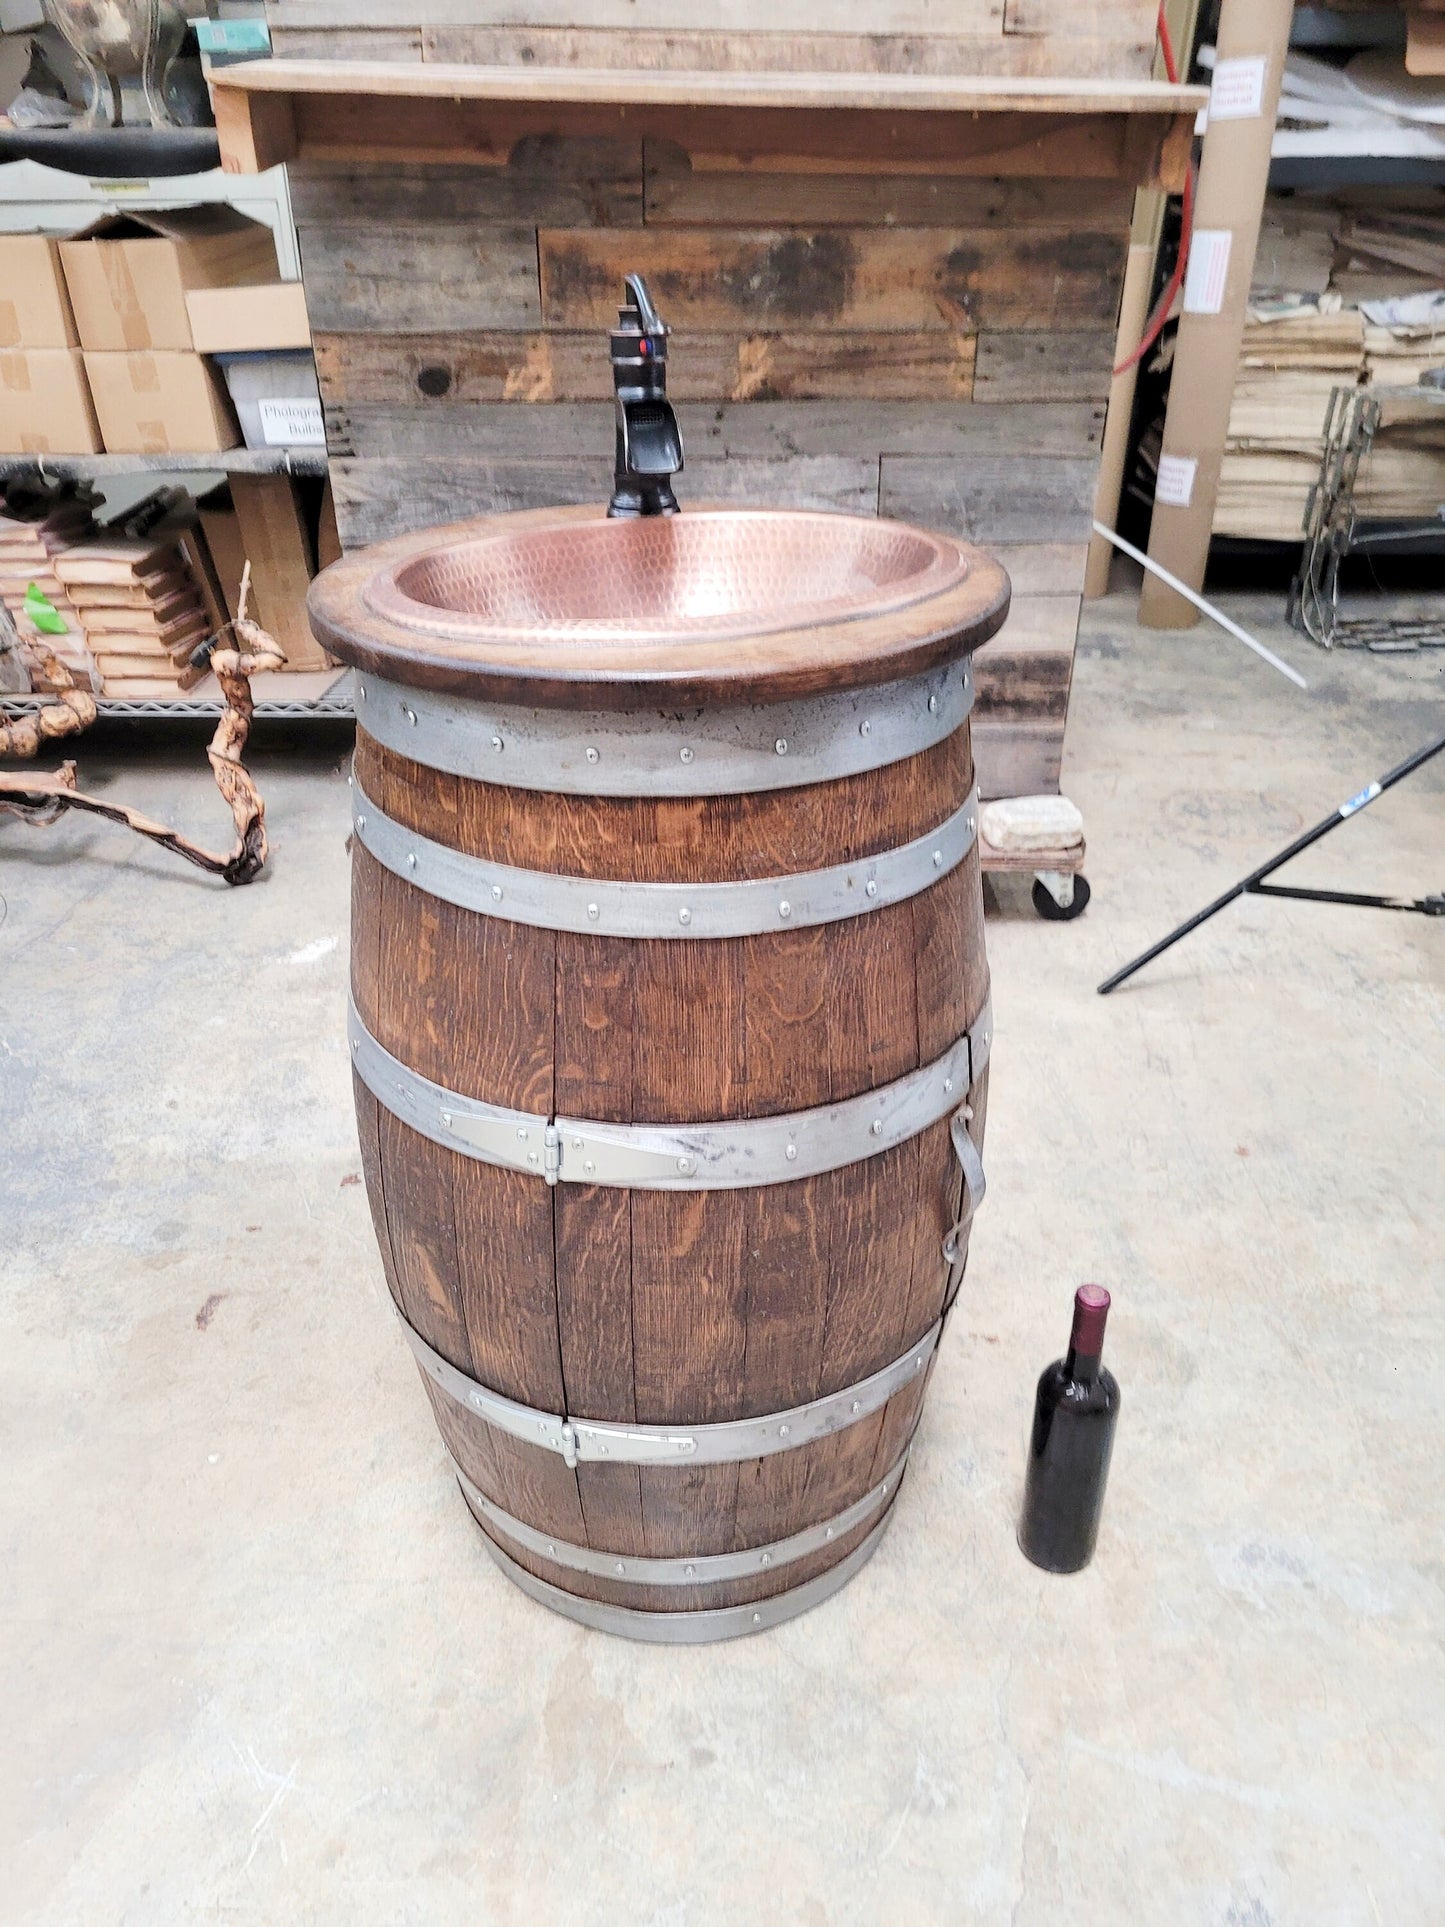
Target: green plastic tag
[(44, 614)]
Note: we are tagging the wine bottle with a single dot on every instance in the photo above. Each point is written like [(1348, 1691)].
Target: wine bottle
[(1075, 1410)]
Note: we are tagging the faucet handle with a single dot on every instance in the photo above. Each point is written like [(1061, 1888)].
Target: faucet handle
[(639, 299)]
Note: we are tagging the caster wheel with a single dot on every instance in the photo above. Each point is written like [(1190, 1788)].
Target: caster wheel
[(1054, 912)]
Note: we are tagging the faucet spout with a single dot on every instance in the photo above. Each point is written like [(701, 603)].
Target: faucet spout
[(649, 442)]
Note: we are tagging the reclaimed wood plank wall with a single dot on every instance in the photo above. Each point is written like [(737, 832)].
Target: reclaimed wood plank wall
[(934, 347)]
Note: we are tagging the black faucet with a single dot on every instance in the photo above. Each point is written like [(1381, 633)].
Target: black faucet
[(649, 443)]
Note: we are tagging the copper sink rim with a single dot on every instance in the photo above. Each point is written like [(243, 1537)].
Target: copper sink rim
[(947, 567)]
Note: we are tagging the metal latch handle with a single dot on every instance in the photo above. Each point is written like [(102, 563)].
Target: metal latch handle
[(974, 1182)]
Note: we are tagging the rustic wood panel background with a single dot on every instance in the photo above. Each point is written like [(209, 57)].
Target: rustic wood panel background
[(931, 346)]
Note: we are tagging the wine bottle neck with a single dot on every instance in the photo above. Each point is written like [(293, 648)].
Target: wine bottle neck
[(1082, 1367)]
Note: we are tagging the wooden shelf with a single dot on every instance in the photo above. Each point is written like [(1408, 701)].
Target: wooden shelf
[(889, 92), (229, 461), (279, 110)]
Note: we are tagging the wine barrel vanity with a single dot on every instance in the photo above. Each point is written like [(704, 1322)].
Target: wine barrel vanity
[(670, 1027)]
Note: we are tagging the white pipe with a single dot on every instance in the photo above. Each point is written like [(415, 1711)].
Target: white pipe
[(1205, 608)]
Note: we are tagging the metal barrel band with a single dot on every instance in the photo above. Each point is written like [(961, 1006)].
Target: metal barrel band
[(701, 1569), (728, 1155), (727, 751), (580, 1441), (692, 1628), (612, 907)]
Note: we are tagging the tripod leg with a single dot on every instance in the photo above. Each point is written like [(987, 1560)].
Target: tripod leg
[(1246, 885)]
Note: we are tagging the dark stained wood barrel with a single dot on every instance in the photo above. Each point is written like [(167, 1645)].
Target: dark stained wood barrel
[(595, 1240)]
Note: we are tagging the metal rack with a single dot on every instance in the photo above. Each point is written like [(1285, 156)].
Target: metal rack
[(1334, 529), (227, 461), (338, 703)]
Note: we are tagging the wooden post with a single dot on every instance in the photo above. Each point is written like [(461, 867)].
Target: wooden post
[(1233, 174), (1149, 207), (1133, 315)]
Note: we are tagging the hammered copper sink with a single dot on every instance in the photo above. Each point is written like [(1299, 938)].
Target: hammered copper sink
[(721, 574), (566, 606)]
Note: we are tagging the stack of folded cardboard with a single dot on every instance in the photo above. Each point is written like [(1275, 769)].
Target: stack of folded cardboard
[(1289, 365), (141, 610), (1345, 290), (29, 557)]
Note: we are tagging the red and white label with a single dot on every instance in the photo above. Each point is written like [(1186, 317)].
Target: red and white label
[(1208, 270), (1237, 90), (1174, 486)]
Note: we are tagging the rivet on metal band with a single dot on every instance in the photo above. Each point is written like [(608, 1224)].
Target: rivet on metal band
[(608, 907), (701, 1569), (692, 1628), (578, 1440), (726, 751), (728, 1155)]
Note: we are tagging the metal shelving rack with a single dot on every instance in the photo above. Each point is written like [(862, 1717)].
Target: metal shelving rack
[(224, 461), (337, 703), (34, 196)]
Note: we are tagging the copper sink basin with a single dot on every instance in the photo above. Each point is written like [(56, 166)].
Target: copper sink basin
[(560, 607), (702, 576)]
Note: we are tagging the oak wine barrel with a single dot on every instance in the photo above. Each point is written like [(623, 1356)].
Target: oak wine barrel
[(670, 1028)]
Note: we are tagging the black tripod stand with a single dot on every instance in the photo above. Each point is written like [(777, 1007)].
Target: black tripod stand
[(1254, 885)]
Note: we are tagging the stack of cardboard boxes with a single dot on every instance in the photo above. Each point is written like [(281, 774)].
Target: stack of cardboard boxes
[(105, 343), (97, 340), (45, 404)]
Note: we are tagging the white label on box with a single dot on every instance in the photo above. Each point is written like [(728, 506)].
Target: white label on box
[(292, 421), (1237, 90), (1208, 270), (1175, 484)]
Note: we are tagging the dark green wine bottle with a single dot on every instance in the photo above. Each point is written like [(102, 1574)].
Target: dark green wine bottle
[(1075, 1411)]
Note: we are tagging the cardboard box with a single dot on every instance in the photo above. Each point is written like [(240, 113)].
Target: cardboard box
[(160, 404), (239, 321), (34, 304), (274, 539), (276, 397), (328, 538), (45, 403), (222, 531), (128, 275)]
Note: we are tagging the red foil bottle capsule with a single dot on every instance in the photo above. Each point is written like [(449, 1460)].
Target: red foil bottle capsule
[(1076, 1408)]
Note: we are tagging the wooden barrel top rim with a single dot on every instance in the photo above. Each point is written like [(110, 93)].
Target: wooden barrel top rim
[(808, 660)]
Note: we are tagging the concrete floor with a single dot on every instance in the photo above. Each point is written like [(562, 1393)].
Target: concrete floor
[(256, 1666)]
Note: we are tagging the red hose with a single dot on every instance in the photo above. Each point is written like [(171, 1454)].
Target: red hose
[(1186, 226)]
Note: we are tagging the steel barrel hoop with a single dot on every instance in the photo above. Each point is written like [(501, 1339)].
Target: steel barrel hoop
[(723, 751), (697, 1569), (717, 1442), (693, 1628), (622, 907), (730, 1154)]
